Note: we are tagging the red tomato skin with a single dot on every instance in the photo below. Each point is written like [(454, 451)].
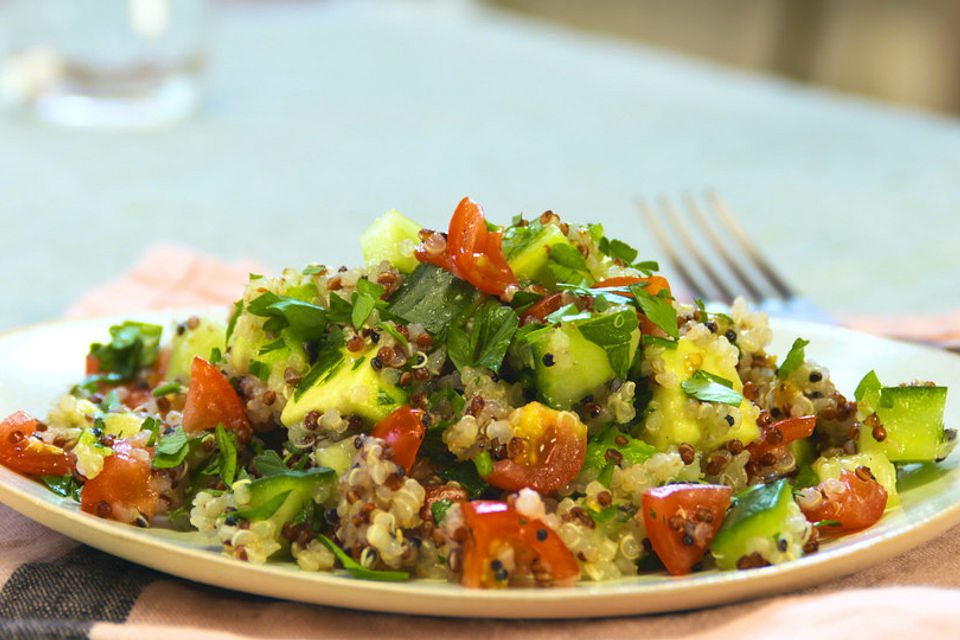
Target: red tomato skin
[(212, 400), (561, 460), (655, 284), (403, 430), (123, 482), (473, 253), (790, 429), (560, 453), (661, 504), (861, 505), (539, 310), (21, 452), (491, 525), (552, 553)]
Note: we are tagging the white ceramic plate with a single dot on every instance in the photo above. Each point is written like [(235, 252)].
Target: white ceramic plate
[(38, 363)]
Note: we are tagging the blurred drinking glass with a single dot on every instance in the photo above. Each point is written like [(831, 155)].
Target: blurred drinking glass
[(103, 63)]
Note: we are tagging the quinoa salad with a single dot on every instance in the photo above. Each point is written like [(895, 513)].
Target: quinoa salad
[(494, 406)]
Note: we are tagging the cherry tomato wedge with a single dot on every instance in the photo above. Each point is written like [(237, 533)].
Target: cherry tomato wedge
[(542, 308), (853, 501), (552, 555), (536, 547), (775, 437), (682, 520), (212, 400), (21, 451), (546, 452), (122, 490), (655, 284), (403, 430), (473, 253)]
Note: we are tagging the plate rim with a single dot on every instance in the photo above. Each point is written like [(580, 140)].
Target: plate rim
[(182, 556)]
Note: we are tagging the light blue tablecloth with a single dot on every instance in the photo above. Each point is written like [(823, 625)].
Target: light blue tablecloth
[(320, 116)]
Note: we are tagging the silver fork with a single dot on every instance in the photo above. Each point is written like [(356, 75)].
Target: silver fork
[(706, 262)]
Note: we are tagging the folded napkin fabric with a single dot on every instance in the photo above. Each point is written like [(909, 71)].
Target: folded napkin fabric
[(168, 277), (53, 587)]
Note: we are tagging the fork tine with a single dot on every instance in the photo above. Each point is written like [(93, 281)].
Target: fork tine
[(682, 230), (660, 236), (730, 223), (752, 292)]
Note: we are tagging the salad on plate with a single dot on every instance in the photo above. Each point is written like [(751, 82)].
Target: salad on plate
[(495, 406)]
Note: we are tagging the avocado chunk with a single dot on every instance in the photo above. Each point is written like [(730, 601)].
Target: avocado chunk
[(391, 237), (249, 351), (568, 367), (199, 341), (912, 425), (352, 387), (677, 425)]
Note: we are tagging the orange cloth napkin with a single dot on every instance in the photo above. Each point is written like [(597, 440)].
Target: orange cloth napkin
[(168, 276), (916, 594)]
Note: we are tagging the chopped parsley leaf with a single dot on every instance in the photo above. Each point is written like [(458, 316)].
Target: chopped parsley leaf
[(707, 387), (794, 358)]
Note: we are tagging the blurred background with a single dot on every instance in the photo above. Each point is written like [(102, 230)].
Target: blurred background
[(277, 131), (902, 51)]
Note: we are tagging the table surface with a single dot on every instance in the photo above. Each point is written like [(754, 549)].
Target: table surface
[(320, 116)]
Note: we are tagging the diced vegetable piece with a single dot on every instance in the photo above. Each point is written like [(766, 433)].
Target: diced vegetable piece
[(803, 450), (352, 387), (677, 425), (473, 251), (123, 424), (316, 484), (529, 257), (849, 503), (337, 456), (20, 451), (403, 430), (90, 454), (553, 447), (492, 526), (912, 425), (682, 520), (122, 490), (568, 367), (760, 518), (775, 437), (392, 237), (867, 393), (882, 469), (212, 400), (185, 345)]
